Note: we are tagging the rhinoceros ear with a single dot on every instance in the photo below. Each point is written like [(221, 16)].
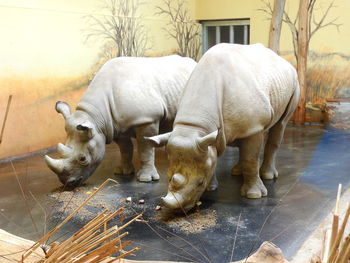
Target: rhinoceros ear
[(207, 140), (159, 140), (63, 108), (86, 130)]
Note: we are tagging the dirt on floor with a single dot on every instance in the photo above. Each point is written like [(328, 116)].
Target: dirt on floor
[(65, 202), (191, 223)]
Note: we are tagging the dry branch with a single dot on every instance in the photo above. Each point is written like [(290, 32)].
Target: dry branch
[(90, 243), (314, 24), (181, 28), (121, 29), (5, 118)]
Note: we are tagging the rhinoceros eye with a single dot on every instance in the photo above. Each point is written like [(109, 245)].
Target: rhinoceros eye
[(82, 160)]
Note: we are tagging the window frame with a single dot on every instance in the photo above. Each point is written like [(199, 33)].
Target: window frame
[(218, 23)]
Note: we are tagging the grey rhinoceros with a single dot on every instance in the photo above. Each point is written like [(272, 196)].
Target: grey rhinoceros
[(127, 97), (235, 94)]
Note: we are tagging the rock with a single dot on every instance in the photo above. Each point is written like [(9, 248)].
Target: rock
[(267, 253)]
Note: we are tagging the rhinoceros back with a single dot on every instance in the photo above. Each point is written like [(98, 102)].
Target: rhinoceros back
[(136, 91)]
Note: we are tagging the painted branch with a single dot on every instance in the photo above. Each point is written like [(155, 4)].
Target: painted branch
[(303, 36), (276, 25), (5, 118)]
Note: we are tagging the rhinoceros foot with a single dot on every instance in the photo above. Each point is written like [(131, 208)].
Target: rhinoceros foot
[(268, 172), (147, 174), (236, 170), (124, 169), (253, 189)]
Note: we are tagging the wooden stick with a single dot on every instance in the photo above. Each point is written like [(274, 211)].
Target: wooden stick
[(84, 235), (323, 245), (101, 222), (342, 251), (124, 255), (128, 223), (335, 222), (99, 250), (49, 234), (327, 246), (335, 226), (339, 236), (84, 248), (53, 248), (91, 223), (70, 252), (347, 255), (5, 118), (110, 250), (336, 210)]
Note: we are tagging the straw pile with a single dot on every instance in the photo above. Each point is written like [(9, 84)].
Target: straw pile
[(335, 244), (93, 243)]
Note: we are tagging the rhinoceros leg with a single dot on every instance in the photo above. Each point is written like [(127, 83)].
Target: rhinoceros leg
[(268, 168), (237, 169), (148, 171), (250, 149), (126, 152)]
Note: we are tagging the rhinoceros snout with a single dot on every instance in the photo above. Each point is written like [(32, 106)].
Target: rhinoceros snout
[(73, 182), (176, 201)]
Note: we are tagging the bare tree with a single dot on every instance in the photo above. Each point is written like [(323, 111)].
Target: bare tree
[(120, 27), (314, 24), (276, 25), (181, 28)]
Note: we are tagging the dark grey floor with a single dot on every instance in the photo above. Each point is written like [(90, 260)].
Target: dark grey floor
[(311, 163)]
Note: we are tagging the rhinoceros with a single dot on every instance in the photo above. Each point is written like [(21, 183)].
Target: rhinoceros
[(235, 94), (128, 97)]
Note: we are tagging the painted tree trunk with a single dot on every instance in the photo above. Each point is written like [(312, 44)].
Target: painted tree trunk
[(299, 116), (276, 25)]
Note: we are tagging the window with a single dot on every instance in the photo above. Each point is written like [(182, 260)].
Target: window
[(227, 31)]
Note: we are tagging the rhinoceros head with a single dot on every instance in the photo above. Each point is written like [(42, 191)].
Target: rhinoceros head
[(192, 164), (83, 151)]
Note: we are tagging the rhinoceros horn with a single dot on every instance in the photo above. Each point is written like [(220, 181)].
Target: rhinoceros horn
[(207, 140), (172, 200), (56, 166), (159, 140), (178, 179), (65, 151)]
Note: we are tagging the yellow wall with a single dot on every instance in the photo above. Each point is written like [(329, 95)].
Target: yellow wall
[(235, 9), (327, 39), (44, 59)]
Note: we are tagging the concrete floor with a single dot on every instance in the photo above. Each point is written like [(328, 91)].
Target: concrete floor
[(311, 163)]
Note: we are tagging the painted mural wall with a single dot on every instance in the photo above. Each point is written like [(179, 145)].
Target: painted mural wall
[(329, 67), (50, 50)]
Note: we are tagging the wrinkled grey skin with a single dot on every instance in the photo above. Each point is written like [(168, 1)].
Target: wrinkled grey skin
[(234, 96), (128, 97)]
